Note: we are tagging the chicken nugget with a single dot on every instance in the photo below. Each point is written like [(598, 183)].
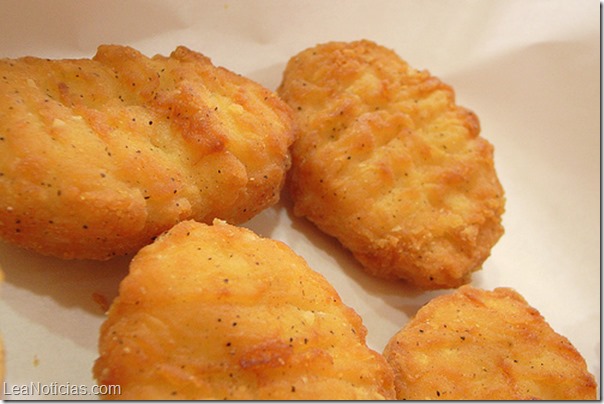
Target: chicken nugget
[(485, 345), (99, 156), (216, 312), (388, 164)]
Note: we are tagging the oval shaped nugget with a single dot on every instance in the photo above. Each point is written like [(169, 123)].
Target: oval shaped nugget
[(485, 345), (388, 164), (97, 157), (216, 312)]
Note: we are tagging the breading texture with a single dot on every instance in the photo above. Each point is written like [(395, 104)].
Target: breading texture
[(485, 345), (98, 156), (216, 312), (388, 164)]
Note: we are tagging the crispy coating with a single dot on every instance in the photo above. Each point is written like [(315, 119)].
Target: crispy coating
[(485, 345), (98, 156), (388, 164), (216, 312)]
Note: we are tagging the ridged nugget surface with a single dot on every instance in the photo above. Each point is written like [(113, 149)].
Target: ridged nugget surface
[(485, 345), (388, 164), (216, 312), (98, 156)]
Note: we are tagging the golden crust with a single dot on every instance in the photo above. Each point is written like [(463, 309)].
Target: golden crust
[(482, 345), (98, 156), (213, 312), (388, 163)]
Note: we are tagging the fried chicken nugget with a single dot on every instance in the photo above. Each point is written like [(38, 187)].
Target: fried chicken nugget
[(485, 345), (388, 164), (98, 156), (216, 312)]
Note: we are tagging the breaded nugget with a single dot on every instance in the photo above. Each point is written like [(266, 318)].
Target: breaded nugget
[(98, 156), (485, 345), (388, 164), (216, 312)]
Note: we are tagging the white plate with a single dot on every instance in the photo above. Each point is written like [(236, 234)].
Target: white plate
[(529, 69)]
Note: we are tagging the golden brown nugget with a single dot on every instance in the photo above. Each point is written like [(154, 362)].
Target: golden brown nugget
[(388, 164), (485, 345), (216, 312), (98, 156)]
